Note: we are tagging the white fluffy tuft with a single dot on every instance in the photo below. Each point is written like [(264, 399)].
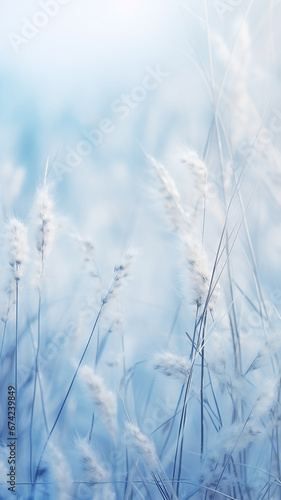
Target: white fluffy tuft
[(104, 399), (18, 247), (94, 471), (171, 365), (142, 444)]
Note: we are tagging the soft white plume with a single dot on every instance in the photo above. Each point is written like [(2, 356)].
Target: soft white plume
[(18, 247), (94, 471), (197, 168), (171, 365), (121, 274), (142, 444), (167, 189), (45, 228), (103, 398), (197, 263)]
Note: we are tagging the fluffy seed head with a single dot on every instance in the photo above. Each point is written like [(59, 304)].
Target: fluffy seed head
[(197, 168), (197, 264), (142, 444), (266, 402), (167, 189), (171, 365), (94, 471), (18, 247), (45, 229), (123, 270), (121, 274), (45, 222), (104, 399)]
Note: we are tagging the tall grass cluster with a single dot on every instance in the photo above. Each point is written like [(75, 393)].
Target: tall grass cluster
[(198, 415)]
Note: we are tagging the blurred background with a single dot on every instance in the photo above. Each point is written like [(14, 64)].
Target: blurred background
[(68, 69)]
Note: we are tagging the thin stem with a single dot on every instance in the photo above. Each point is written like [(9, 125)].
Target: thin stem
[(91, 428), (123, 359), (194, 333), (127, 474), (98, 348), (214, 396), (202, 387)]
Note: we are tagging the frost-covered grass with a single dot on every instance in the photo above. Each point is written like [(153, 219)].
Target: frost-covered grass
[(151, 369)]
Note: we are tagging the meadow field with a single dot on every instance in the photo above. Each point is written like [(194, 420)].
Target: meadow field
[(140, 256)]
